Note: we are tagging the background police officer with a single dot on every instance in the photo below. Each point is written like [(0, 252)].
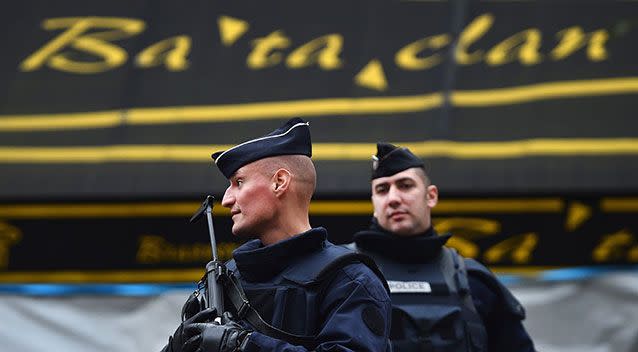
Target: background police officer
[(283, 271), (441, 301)]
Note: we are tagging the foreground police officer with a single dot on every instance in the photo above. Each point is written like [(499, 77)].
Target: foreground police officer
[(441, 302), (304, 294)]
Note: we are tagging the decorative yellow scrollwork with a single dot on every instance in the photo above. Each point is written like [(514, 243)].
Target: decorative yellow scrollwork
[(615, 246), (9, 235), (519, 248), (155, 249), (466, 230)]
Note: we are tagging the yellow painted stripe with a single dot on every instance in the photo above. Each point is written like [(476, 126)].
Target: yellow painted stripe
[(619, 205), (222, 113), (106, 210), (487, 150), (325, 151), (320, 107), (354, 207), (522, 205), (63, 121), (186, 209), (544, 91), (115, 153), (285, 109), (111, 276), (168, 275)]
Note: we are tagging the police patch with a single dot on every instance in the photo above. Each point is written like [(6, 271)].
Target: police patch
[(409, 286), (373, 320)]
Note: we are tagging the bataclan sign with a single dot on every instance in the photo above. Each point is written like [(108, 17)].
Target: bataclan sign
[(89, 45)]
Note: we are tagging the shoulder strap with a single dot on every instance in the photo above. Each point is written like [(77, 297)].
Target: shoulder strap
[(320, 266), (512, 305), (460, 278), (238, 299), (346, 259), (367, 259), (351, 246)]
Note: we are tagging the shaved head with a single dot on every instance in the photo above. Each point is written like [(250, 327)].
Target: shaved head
[(423, 175), (300, 166)]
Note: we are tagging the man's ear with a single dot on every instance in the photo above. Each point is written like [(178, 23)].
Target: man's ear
[(281, 181), (374, 212), (432, 196), (374, 207)]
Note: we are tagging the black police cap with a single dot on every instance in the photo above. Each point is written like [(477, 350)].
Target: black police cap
[(391, 160), (293, 138)]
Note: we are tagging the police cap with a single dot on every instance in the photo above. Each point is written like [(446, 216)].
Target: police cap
[(391, 159), (293, 138)]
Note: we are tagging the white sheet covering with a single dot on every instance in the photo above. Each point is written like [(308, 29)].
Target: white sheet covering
[(593, 315)]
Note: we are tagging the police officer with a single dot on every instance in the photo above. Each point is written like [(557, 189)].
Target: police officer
[(302, 292), (441, 301)]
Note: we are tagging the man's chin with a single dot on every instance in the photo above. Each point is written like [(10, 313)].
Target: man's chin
[(238, 231), (403, 230), (242, 233)]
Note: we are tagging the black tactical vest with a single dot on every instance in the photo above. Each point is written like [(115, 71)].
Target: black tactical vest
[(432, 305), (289, 301)]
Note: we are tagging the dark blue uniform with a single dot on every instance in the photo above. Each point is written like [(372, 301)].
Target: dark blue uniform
[(502, 321), (348, 311), (499, 312)]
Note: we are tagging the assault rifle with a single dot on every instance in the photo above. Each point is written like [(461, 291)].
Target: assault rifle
[(215, 269)]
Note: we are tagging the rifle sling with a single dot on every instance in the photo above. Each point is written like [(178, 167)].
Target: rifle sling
[(245, 311)]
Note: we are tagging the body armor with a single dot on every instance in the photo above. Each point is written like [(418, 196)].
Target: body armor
[(432, 306), (296, 292)]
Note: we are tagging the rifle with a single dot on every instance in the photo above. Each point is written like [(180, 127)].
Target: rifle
[(215, 269)]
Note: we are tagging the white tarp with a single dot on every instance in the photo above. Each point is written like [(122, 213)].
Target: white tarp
[(594, 315)]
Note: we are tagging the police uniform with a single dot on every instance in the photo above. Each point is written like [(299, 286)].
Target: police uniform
[(441, 301), (302, 293), (347, 311)]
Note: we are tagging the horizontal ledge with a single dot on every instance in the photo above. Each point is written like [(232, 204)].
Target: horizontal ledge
[(140, 282), (486, 150), (318, 207)]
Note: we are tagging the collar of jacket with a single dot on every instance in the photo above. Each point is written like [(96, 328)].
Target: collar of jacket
[(259, 263), (413, 249)]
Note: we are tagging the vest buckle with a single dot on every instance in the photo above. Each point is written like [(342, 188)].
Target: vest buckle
[(243, 309)]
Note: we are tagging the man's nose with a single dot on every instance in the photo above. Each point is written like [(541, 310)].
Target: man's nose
[(394, 198), (229, 199)]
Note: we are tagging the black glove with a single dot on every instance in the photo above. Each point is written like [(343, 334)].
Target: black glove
[(176, 342), (213, 337), (194, 304)]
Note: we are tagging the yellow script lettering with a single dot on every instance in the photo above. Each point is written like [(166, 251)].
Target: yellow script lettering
[(171, 51), (475, 30), (324, 51), (519, 248), (408, 57), (466, 230), (526, 43), (613, 247), (96, 43), (263, 54), (573, 38)]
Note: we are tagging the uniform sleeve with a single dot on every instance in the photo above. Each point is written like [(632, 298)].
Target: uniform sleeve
[(356, 311), (505, 331)]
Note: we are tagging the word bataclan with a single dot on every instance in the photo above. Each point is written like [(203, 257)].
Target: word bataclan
[(95, 37)]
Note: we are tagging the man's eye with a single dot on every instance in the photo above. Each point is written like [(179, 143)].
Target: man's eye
[(405, 185)]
